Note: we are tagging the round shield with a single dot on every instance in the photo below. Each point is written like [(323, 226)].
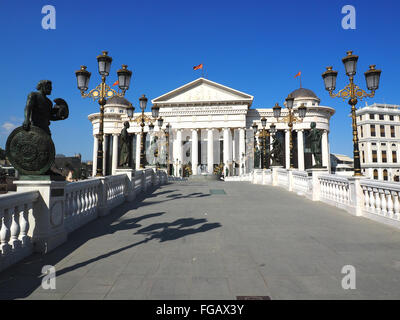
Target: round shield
[(31, 152)]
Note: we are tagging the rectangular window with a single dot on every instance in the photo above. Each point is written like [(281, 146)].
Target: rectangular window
[(361, 130), (374, 156), (372, 116), (381, 117), (394, 156), (384, 159), (382, 130), (391, 118), (373, 134), (392, 133), (362, 157)]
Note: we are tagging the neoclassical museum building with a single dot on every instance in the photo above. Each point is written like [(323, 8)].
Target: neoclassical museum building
[(211, 124)]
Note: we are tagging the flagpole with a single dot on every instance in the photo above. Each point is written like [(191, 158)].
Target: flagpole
[(300, 81), (202, 70)]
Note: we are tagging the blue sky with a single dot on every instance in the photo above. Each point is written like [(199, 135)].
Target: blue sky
[(253, 46)]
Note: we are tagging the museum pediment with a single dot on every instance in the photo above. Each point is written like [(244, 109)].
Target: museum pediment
[(203, 90)]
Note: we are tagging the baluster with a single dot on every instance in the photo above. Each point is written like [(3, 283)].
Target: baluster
[(366, 198), (5, 232), (372, 199), (396, 206), (377, 201), (86, 200), (383, 202), (15, 229), (24, 224), (389, 204), (90, 202)]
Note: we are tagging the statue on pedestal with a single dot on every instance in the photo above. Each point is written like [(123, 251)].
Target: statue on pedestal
[(276, 152), (125, 147), (315, 137), (30, 148)]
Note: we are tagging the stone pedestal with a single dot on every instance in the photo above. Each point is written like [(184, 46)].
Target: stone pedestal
[(275, 174), (315, 173), (130, 173), (47, 224), (356, 194)]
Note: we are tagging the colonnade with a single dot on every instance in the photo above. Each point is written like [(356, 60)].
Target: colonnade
[(230, 154)]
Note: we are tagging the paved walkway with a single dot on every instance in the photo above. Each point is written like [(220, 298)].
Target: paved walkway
[(217, 240)]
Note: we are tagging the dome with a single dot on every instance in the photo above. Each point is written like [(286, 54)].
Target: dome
[(304, 93), (118, 100)]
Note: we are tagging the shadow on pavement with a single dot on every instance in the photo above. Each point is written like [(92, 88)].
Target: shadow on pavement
[(21, 279)]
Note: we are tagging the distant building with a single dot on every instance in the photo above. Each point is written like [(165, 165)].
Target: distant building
[(379, 141), (341, 164), (64, 164)]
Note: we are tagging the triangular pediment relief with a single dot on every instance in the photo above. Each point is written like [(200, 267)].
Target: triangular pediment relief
[(203, 90)]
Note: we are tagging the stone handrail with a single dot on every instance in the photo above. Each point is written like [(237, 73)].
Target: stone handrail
[(283, 177), (301, 182), (16, 211), (381, 198), (40, 220), (81, 203), (376, 200), (335, 189)]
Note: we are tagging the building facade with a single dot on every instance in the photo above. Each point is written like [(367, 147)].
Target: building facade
[(211, 124), (379, 139)]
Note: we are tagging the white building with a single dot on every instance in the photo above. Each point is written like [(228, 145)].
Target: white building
[(342, 164), (379, 140), (211, 124)]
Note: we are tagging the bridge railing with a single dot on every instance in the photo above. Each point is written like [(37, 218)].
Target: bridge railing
[(40, 215), (15, 227), (372, 199), (381, 199)]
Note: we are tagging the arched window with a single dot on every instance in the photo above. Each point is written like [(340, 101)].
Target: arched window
[(385, 175), (376, 174)]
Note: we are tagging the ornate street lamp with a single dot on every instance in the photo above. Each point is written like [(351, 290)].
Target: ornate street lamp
[(142, 119), (101, 93), (290, 119), (265, 136), (353, 93)]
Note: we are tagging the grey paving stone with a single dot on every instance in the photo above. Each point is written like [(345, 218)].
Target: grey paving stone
[(183, 243)]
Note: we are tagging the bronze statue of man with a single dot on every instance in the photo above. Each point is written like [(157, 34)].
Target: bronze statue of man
[(39, 110), (30, 148), (276, 152), (124, 155), (315, 136)]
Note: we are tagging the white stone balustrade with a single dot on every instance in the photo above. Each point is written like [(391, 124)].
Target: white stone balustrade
[(40, 220), (376, 200), (15, 229), (381, 199), (301, 182)]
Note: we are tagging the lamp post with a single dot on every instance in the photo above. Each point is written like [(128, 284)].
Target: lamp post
[(141, 120), (166, 132), (353, 93), (265, 135), (101, 93), (290, 119), (254, 126)]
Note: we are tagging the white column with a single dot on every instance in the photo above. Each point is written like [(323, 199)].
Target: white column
[(300, 149), (195, 151), (95, 149), (242, 150), (114, 154), (210, 150), (226, 147), (324, 149), (138, 139), (233, 144), (179, 150), (287, 148), (104, 154)]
